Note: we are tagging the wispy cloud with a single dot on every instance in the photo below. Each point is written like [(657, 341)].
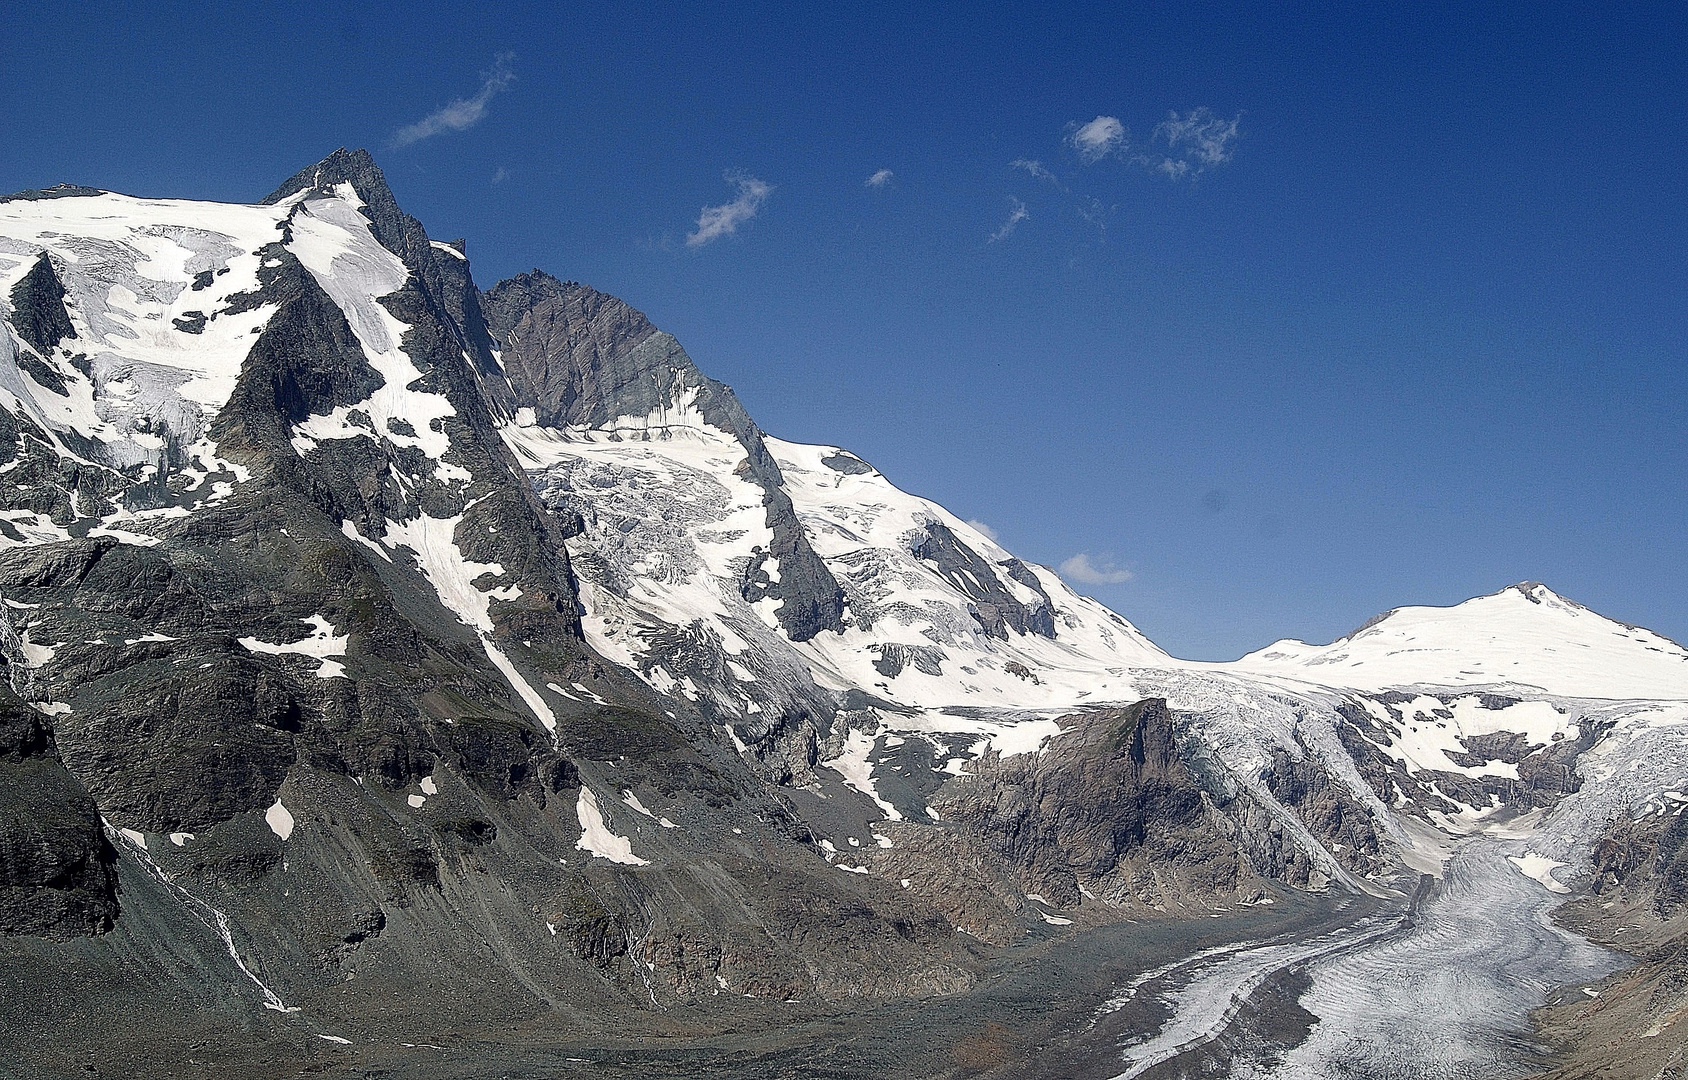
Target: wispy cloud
[(879, 179), (500, 175), (1015, 216), (1101, 571), (1099, 138), (1203, 135), (1091, 210), (990, 533), (1025, 164), (1195, 141), (1037, 171), (464, 112), (715, 222)]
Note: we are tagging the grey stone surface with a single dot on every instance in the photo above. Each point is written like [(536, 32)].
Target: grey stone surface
[(57, 878), (580, 357), (38, 312)]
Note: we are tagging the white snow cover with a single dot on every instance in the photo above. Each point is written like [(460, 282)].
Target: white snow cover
[(333, 241), (1525, 635), (857, 771), (1539, 867), (677, 521), (434, 540), (322, 644), (861, 525), (279, 819), (1426, 734), (161, 355), (453, 577), (596, 837), (719, 518)]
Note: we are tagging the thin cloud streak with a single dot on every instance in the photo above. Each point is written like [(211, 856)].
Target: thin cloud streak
[(1034, 168), (715, 222), (1202, 135), (879, 179), (1015, 216), (462, 113)]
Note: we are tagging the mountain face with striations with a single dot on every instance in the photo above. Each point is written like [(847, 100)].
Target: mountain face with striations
[(389, 656)]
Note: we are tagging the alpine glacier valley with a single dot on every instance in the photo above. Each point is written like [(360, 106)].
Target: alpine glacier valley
[(406, 679)]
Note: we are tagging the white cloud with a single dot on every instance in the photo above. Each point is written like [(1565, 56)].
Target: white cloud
[(1198, 138), (500, 175), (990, 533), (1035, 168), (464, 112), (879, 179), (1081, 569), (718, 221), (1015, 216), (1099, 138)]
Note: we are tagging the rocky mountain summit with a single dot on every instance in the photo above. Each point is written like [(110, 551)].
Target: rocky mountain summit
[(387, 659)]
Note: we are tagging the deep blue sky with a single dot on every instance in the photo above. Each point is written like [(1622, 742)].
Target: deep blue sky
[(1420, 335)]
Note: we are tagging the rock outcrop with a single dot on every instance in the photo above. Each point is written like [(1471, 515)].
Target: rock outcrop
[(57, 874)]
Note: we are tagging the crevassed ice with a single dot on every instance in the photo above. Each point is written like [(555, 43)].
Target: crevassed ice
[(128, 266)]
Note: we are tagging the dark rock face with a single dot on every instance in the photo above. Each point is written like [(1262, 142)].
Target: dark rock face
[(1648, 860), (579, 357), (995, 609), (1109, 806), (38, 311), (57, 191), (1638, 904), (404, 818), (1546, 772), (893, 658), (57, 878), (1330, 812)]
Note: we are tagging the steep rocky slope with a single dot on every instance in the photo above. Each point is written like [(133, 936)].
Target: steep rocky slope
[(390, 659), (57, 877), (311, 643)]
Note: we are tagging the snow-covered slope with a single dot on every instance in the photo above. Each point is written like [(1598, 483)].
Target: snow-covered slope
[(674, 525), (812, 611), (1525, 636), (697, 532), (947, 641)]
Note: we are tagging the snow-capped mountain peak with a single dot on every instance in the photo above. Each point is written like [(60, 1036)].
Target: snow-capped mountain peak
[(1524, 635)]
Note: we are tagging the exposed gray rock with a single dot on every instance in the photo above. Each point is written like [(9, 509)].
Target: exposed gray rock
[(578, 357), (38, 312), (1109, 807), (57, 878), (57, 191), (995, 609)]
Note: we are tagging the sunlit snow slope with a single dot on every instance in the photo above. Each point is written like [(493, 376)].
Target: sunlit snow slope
[(947, 639), (1525, 636), (776, 586)]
